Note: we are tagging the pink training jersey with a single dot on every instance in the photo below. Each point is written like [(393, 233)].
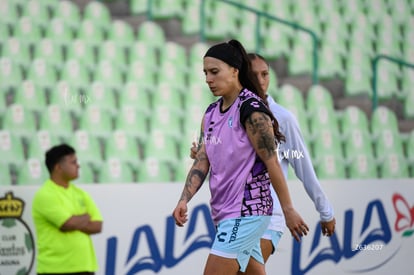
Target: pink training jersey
[(239, 182)]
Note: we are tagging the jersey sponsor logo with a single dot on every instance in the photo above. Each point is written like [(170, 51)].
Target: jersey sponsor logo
[(220, 237), (255, 104), (235, 230)]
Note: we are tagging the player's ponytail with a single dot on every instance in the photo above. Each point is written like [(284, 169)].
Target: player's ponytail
[(249, 80)]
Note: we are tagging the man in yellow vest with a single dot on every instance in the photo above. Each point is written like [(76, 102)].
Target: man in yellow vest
[(64, 216)]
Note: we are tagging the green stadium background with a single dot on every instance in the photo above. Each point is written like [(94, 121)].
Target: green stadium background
[(122, 82)]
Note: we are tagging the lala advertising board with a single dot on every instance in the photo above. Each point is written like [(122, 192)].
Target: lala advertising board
[(374, 230)]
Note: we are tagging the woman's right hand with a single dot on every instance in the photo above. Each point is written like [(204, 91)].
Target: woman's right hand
[(297, 226), (180, 213)]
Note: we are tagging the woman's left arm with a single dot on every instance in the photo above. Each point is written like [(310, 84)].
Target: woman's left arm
[(259, 129)]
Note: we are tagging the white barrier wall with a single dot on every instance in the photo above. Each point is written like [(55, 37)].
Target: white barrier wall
[(375, 231)]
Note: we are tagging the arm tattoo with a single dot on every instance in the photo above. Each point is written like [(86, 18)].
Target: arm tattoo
[(193, 183), (261, 125), (200, 140), (200, 157), (194, 179)]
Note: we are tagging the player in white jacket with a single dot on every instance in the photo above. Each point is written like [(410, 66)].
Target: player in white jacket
[(294, 152)]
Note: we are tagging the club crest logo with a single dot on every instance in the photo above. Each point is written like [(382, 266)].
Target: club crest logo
[(16, 239), (230, 122)]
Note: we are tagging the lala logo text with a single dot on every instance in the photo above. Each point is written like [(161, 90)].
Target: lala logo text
[(375, 234)]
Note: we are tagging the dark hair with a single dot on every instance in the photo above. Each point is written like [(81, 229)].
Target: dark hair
[(279, 136), (253, 56), (56, 154), (246, 75)]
